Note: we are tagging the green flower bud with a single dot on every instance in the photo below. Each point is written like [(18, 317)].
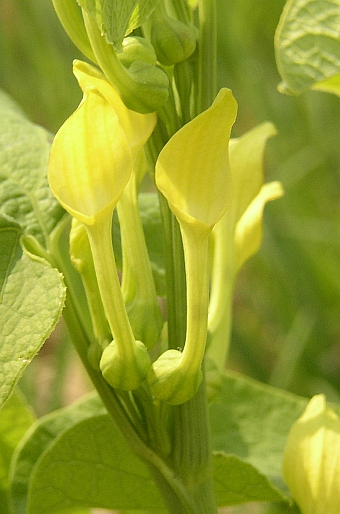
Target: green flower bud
[(121, 373), (137, 49), (170, 381), (311, 461), (173, 40)]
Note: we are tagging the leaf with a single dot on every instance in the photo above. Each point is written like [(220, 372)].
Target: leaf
[(331, 85), (307, 43), (42, 434), (15, 420), (252, 420), (31, 300), (24, 191), (91, 465), (237, 482), (118, 18), (76, 458)]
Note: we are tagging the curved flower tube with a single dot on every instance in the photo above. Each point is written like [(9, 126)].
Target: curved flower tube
[(143, 86)]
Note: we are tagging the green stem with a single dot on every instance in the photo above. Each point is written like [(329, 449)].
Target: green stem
[(192, 454), (207, 54), (175, 277), (69, 14)]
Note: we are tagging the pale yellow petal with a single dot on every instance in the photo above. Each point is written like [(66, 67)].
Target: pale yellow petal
[(248, 230), (246, 164), (138, 127), (192, 170), (90, 161)]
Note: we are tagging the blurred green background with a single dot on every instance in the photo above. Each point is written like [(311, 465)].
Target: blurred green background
[(286, 329)]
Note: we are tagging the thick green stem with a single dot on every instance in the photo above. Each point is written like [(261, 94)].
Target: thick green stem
[(192, 454), (175, 278)]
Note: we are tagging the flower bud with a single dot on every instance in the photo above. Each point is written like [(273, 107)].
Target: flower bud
[(173, 40), (122, 373), (137, 49), (311, 461), (170, 381)]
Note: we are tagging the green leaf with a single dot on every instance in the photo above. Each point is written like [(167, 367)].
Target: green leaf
[(252, 420), (31, 300), (91, 465), (118, 18), (307, 43), (15, 420), (250, 423), (237, 482), (43, 434), (331, 85), (24, 191)]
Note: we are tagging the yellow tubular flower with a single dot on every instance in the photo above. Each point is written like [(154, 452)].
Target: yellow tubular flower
[(237, 236), (192, 172), (90, 164), (311, 461)]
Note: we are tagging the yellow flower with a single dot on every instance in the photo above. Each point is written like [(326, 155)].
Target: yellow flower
[(192, 172), (90, 161), (137, 287), (237, 236), (311, 462)]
